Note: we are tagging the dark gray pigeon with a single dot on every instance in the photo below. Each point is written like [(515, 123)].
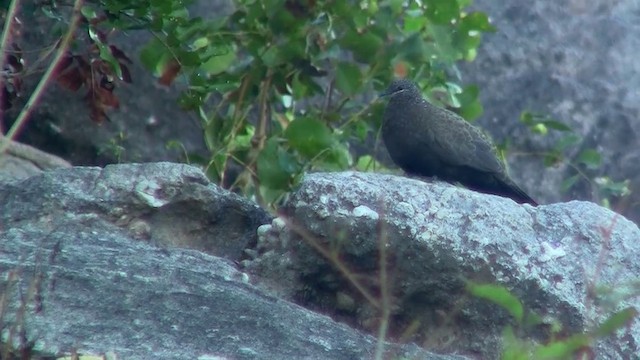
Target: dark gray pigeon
[(426, 140)]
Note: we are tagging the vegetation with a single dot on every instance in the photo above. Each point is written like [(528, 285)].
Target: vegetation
[(282, 87), (278, 85)]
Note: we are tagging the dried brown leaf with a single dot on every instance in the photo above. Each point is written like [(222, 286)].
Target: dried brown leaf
[(170, 72), (119, 54)]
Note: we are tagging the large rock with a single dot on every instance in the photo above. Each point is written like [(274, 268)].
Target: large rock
[(435, 237), (21, 161), (90, 263), (576, 61), (167, 204)]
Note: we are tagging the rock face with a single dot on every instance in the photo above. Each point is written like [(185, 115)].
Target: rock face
[(90, 261), (542, 60), (143, 261), (21, 161), (429, 141), (435, 236), (167, 204)]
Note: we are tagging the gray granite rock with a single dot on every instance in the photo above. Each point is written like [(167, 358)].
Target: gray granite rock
[(164, 203), (91, 262), (438, 235), (21, 161)]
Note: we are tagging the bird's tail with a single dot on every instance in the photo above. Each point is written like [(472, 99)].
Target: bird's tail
[(512, 190)]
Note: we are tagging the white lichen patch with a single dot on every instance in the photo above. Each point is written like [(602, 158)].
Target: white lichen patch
[(366, 212), (551, 253), (148, 192)]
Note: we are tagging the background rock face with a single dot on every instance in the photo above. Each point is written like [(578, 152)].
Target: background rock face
[(437, 235), (575, 60)]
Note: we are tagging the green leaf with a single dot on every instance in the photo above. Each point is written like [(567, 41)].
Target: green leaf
[(533, 120), (590, 158), (470, 106), (414, 23), (478, 21), (553, 158), (105, 53), (442, 11), (360, 130), (396, 6), (215, 166), (472, 110), (282, 21), (191, 100), (561, 349), (567, 141), (52, 12), (532, 319), (200, 43), (568, 183), (211, 131), (467, 36), (513, 348), (616, 321), (539, 128), (611, 188), (414, 50), (363, 46), (272, 57), (276, 167), (220, 63), (498, 295), (187, 58), (336, 158), (88, 12), (154, 56), (299, 88), (443, 47), (557, 125), (369, 163), (243, 139), (360, 19), (309, 137), (348, 78)]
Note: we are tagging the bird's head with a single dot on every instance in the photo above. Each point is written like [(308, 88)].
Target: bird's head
[(400, 86)]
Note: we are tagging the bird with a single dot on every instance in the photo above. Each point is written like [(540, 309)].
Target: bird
[(429, 141)]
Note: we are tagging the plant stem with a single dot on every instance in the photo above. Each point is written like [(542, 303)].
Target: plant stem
[(46, 78), (11, 13)]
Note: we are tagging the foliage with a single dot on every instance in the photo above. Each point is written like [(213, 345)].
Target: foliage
[(277, 84), (585, 163), (557, 347)]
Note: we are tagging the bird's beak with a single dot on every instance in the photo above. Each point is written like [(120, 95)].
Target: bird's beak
[(384, 93), (390, 92)]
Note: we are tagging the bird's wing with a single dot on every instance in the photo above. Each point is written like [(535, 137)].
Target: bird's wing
[(462, 144)]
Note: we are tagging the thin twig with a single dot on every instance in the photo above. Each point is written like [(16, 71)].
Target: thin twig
[(261, 133), (327, 100), (340, 266), (235, 125), (11, 13), (385, 294)]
